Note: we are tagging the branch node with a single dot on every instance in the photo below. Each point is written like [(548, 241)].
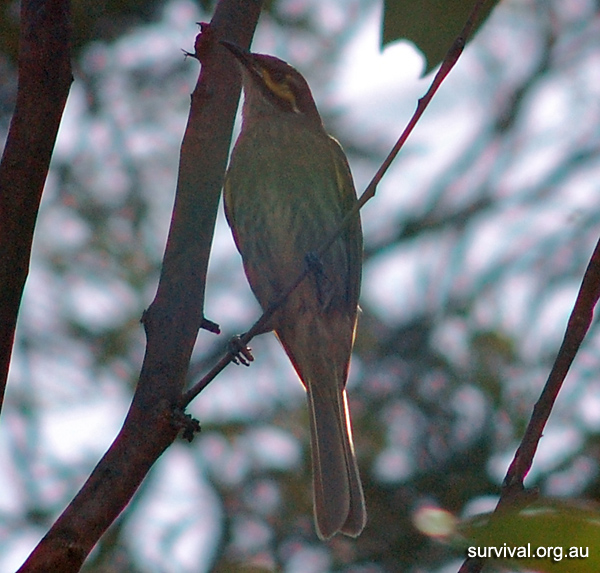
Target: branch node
[(210, 326), (204, 43), (185, 423), (515, 496)]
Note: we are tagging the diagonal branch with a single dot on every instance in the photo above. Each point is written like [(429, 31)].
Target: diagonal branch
[(577, 328)]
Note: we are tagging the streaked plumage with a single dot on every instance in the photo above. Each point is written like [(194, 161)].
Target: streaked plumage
[(287, 189)]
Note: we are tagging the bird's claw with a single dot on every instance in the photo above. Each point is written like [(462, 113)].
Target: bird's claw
[(241, 354)]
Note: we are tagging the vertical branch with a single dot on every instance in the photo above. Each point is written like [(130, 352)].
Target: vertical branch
[(173, 319), (44, 82)]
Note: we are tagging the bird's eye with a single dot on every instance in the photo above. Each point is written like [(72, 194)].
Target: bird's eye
[(280, 87)]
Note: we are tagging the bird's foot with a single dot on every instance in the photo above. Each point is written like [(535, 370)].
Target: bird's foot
[(241, 354)]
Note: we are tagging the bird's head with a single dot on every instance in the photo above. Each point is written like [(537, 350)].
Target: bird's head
[(271, 84)]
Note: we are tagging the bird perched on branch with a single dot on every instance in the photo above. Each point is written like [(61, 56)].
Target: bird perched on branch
[(287, 189)]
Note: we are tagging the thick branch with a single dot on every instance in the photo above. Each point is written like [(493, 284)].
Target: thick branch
[(44, 82), (173, 319)]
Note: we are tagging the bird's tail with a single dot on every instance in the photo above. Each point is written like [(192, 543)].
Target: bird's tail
[(320, 354), (338, 496)]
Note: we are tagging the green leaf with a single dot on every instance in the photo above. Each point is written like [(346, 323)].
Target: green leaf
[(432, 25), (559, 532)]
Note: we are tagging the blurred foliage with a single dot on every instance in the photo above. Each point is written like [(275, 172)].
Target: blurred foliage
[(104, 20), (549, 535), (432, 25), (475, 246)]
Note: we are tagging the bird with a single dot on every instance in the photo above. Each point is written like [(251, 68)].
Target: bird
[(287, 188)]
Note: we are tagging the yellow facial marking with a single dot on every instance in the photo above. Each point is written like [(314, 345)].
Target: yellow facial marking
[(280, 89)]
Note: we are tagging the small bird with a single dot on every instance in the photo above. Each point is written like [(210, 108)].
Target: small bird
[(287, 189)]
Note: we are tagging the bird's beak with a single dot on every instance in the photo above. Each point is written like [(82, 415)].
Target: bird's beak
[(246, 59), (243, 56)]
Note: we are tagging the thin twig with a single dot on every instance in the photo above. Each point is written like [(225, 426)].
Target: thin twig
[(262, 323), (577, 327)]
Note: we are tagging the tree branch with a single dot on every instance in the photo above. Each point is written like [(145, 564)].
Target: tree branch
[(577, 327), (176, 314), (44, 82)]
